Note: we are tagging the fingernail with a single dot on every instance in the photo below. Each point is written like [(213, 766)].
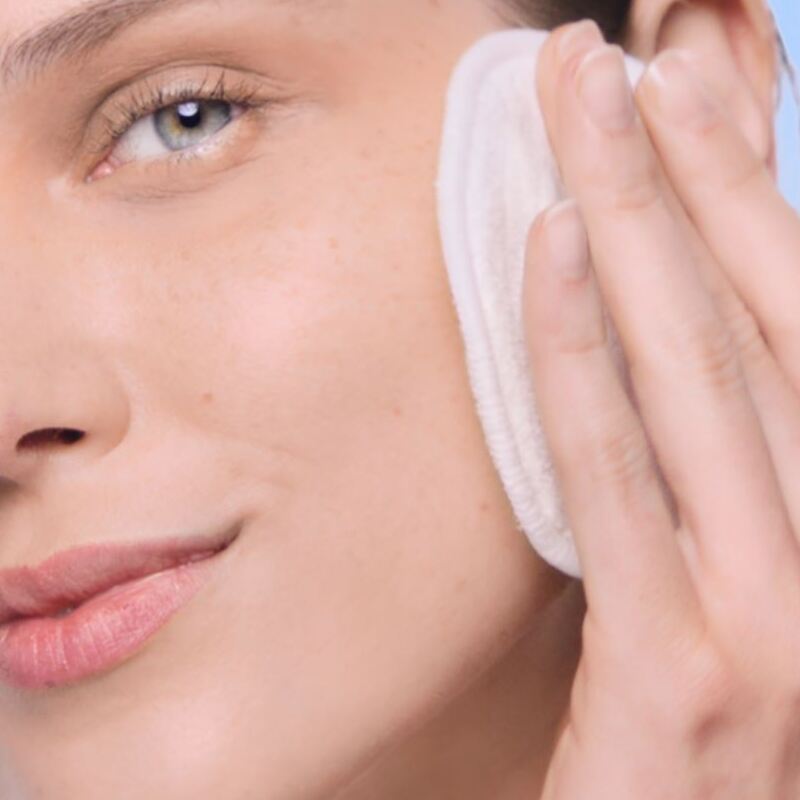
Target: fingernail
[(567, 241), (579, 38), (679, 90), (604, 89)]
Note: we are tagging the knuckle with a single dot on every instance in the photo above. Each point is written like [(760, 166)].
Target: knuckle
[(618, 455), (636, 192), (743, 177), (746, 332), (738, 175), (706, 347), (581, 340), (705, 694)]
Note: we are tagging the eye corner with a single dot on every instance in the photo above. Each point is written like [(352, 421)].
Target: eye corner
[(102, 171)]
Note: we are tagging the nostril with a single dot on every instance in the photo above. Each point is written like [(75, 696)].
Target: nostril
[(46, 436)]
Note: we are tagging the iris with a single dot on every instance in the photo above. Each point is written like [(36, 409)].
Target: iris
[(186, 124)]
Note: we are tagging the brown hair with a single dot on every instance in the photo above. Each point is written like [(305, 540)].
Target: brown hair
[(610, 15)]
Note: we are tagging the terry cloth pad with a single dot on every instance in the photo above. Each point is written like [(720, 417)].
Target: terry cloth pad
[(496, 173)]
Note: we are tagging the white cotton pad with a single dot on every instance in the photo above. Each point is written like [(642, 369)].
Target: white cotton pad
[(496, 174)]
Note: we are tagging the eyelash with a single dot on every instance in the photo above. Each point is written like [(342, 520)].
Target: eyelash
[(149, 99)]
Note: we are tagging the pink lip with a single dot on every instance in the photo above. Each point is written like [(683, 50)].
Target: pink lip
[(123, 594)]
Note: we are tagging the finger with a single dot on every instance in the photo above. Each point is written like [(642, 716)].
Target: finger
[(566, 44), (683, 361), (777, 402), (613, 499), (775, 398), (730, 195), (561, 52)]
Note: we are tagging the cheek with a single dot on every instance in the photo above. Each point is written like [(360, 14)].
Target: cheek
[(330, 316), (338, 361), (320, 304)]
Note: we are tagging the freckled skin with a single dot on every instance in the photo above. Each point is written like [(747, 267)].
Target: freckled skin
[(272, 337)]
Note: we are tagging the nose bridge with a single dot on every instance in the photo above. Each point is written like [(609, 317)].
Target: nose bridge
[(59, 400)]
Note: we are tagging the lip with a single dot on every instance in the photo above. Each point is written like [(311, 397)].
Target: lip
[(122, 594)]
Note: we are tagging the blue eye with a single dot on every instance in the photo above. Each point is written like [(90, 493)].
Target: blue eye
[(190, 123), (173, 123), (173, 128)]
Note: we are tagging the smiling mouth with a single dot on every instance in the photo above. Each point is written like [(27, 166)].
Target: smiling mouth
[(190, 559), (77, 577), (95, 635)]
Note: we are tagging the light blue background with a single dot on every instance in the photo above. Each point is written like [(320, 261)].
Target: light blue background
[(787, 13)]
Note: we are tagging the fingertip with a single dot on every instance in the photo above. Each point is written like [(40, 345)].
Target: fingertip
[(562, 305), (567, 241), (560, 54), (573, 36), (535, 231)]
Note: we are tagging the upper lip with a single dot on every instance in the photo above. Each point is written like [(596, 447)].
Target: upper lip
[(73, 576)]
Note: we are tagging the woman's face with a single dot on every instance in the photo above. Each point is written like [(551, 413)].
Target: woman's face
[(246, 312)]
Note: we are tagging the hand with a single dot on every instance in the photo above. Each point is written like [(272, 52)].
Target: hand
[(682, 487)]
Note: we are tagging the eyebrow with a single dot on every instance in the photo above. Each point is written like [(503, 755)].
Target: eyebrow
[(77, 33)]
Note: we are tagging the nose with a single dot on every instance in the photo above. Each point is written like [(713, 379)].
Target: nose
[(62, 400), (55, 413)]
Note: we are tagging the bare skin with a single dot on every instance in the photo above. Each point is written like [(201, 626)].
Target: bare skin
[(687, 685), (265, 331)]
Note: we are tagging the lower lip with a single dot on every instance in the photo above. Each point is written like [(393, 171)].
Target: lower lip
[(47, 652)]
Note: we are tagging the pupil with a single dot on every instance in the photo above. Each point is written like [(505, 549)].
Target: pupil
[(190, 114)]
